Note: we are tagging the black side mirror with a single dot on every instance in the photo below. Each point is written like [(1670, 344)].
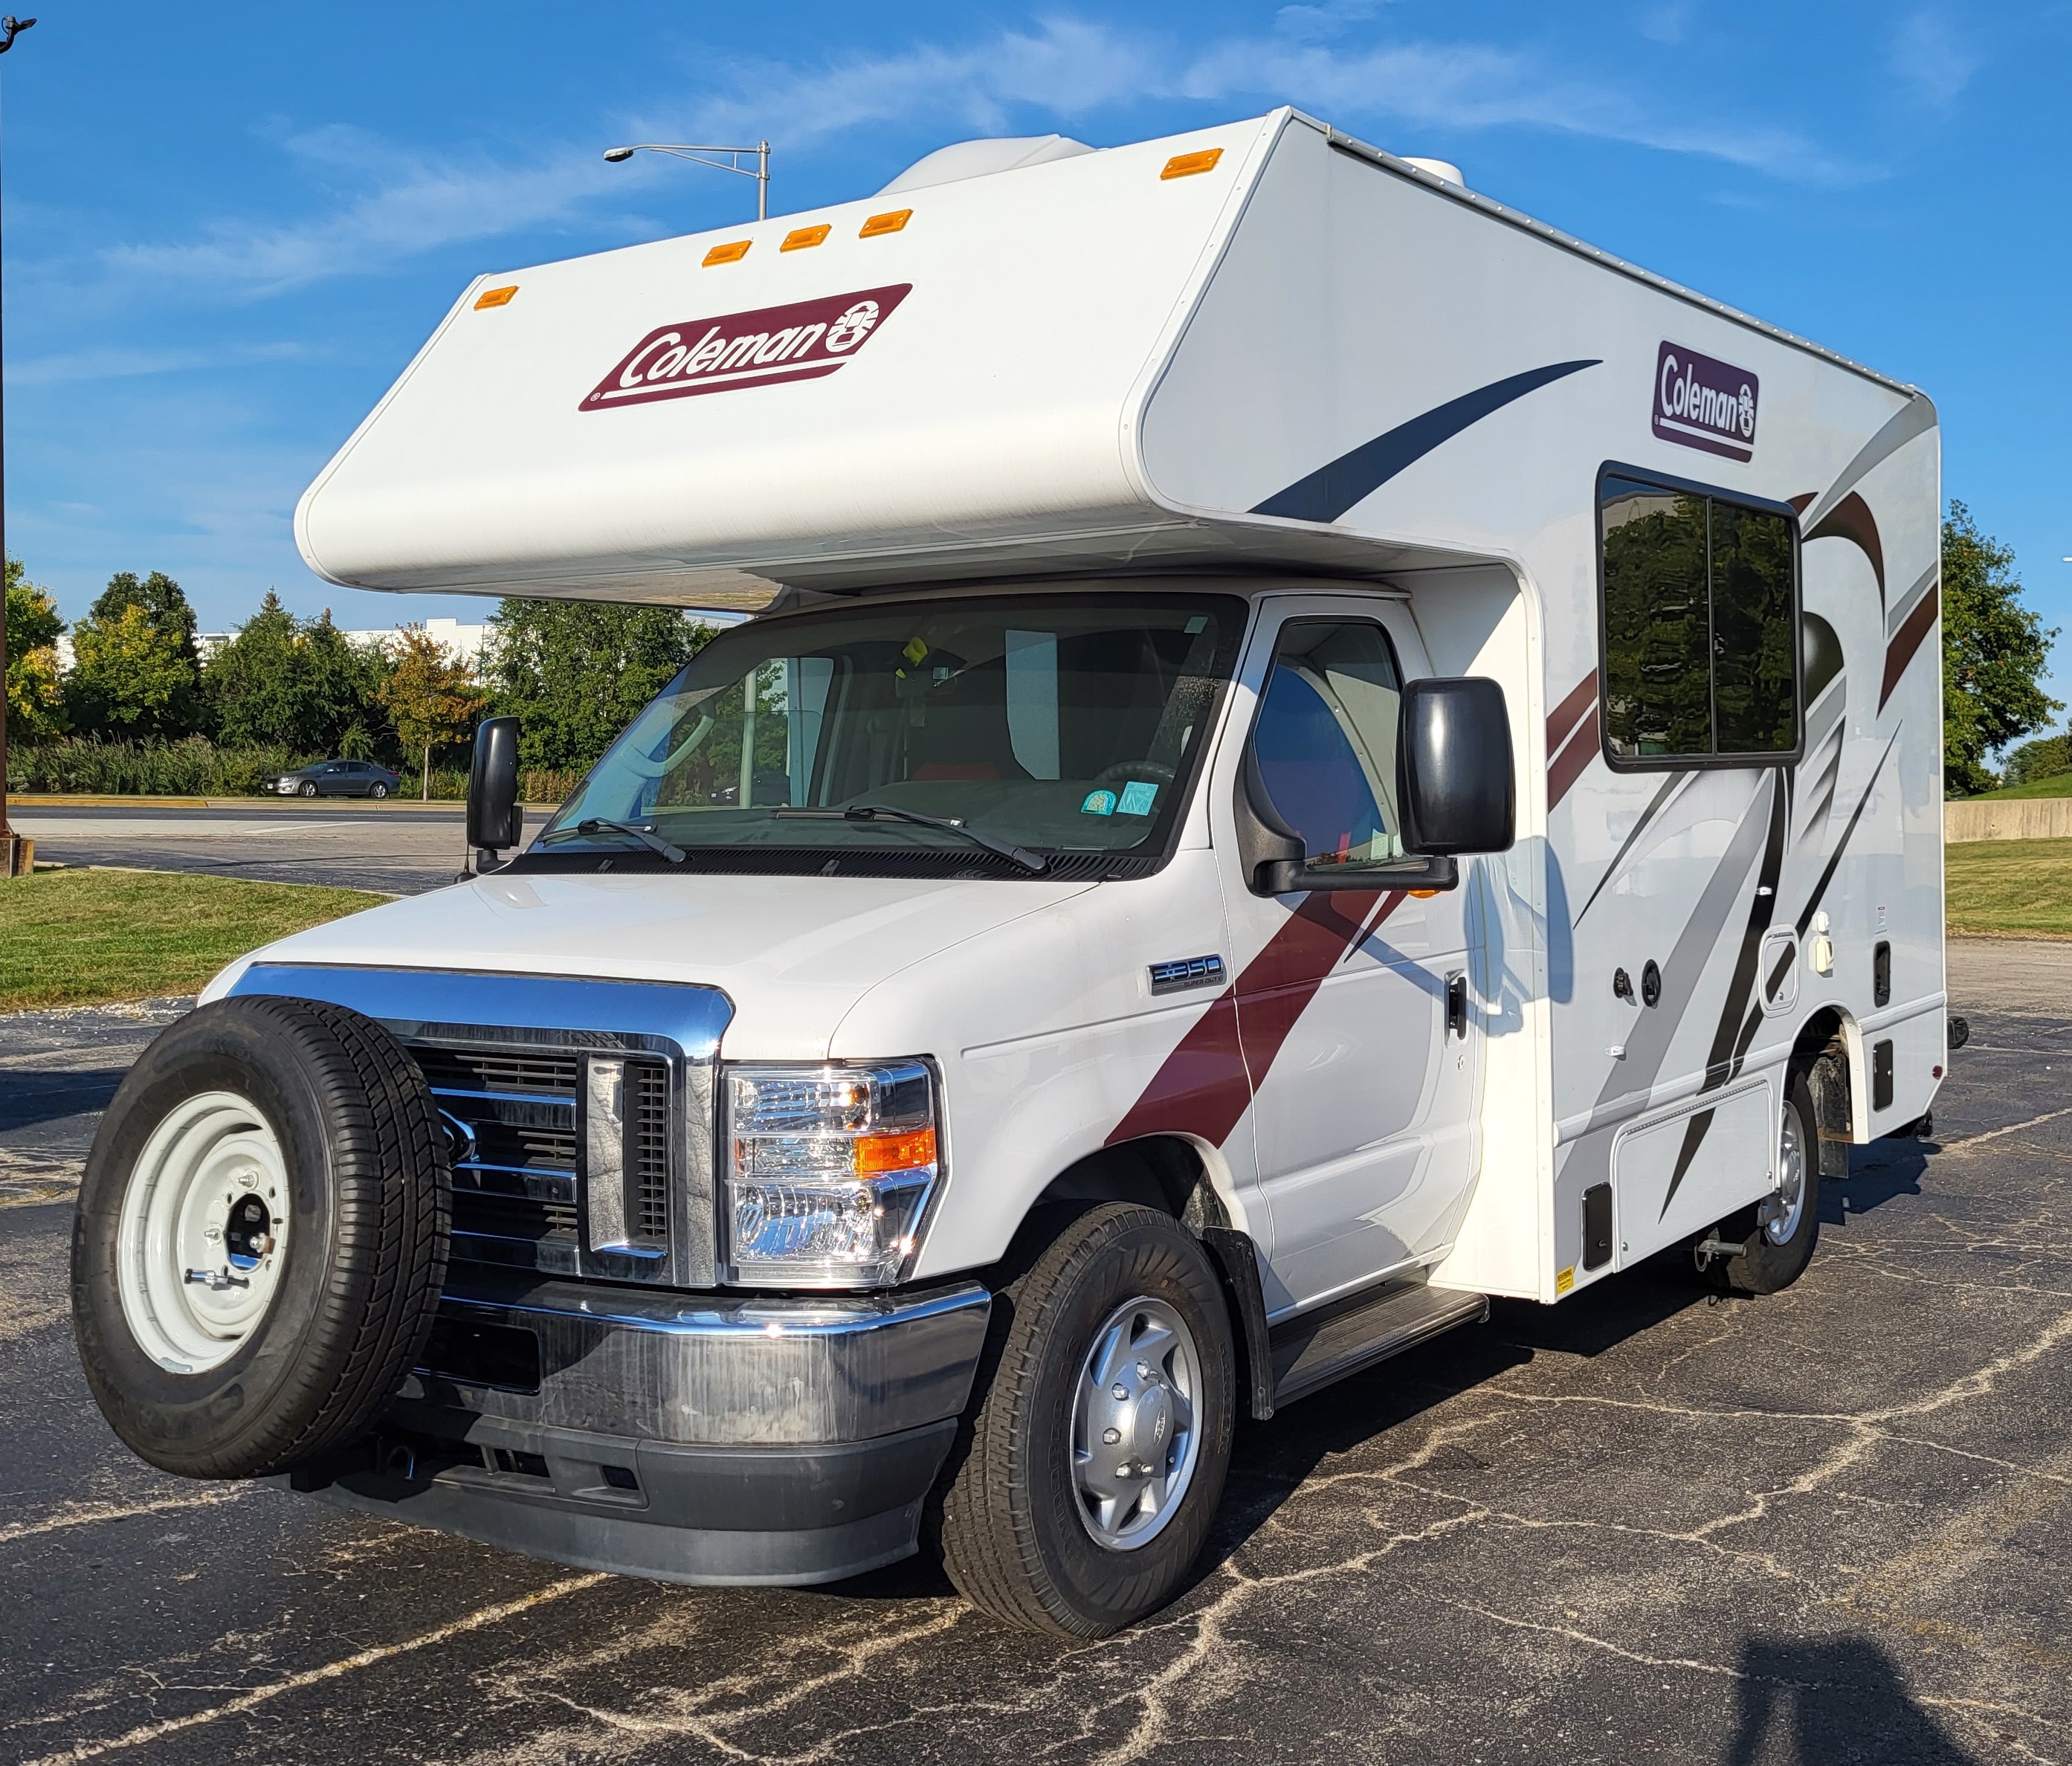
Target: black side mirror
[(1454, 762), (494, 821)]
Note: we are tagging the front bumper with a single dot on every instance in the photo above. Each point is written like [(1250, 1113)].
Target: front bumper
[(687, 1438)]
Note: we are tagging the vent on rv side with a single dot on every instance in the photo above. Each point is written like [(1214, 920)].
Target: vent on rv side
[(962, 159)]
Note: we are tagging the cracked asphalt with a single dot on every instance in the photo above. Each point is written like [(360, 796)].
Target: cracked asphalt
[(1833, 1525)]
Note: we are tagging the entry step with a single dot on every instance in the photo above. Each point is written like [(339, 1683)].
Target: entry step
[(1317, 1348)]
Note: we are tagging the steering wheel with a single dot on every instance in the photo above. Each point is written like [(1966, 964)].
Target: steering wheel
[(1123, 771)]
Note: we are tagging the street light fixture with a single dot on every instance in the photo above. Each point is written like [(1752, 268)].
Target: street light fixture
[(759, 171), (17, 855)]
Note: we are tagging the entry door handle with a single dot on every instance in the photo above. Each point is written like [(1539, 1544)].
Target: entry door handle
[(1457, 1004)]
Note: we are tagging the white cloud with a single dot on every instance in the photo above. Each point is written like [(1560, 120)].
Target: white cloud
[(400, 203), (118, 364), (1669, 22), (1933, 59)]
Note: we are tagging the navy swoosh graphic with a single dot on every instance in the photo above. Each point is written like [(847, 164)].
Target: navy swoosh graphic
[(1330, 491)]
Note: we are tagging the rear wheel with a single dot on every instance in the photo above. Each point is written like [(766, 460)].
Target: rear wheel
[(378, 789), (261, 1237), (1787, 1222), (1097, 1452)]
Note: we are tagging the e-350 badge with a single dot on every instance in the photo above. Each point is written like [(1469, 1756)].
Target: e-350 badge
[(801, 342)]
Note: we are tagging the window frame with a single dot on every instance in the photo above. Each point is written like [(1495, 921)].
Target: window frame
[(1699, 763), (1413, 870)]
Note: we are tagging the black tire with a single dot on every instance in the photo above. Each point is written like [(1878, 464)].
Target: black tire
[(377, 790), (1767, 1264), (363, 1243), (1013, 1537), (309, 787)]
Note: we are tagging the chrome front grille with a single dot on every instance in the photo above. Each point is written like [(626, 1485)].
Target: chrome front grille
[(514, 1132)]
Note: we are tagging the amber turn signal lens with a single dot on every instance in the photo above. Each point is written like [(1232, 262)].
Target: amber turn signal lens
[(895, 1152), (889, 223), (1187, 165), (800, 237), (731, 253), (495, 297)]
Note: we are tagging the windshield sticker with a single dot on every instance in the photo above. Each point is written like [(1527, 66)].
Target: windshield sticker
[(915, 650), (1137, 797), (801, 342), (1098, 803)]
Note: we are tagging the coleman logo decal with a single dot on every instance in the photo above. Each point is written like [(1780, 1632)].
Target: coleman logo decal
[(801, 342), (1705, 404)]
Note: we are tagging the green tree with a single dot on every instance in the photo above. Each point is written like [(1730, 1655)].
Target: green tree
[(2045, 759), (431, 697), (575, 672), (296, 683), (36, 702), (1994, 651), (135, 669)]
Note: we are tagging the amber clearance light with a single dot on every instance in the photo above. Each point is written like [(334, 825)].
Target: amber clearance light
[(495, 297), (888, 223), (732, 253), (800, 237), (1188, 165)]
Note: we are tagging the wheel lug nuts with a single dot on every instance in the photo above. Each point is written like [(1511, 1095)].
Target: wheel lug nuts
[(1119, 1391), (1109, 1437), (1143, 1370)]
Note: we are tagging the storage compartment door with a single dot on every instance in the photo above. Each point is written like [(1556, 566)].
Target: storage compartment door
[(1675, 1176)]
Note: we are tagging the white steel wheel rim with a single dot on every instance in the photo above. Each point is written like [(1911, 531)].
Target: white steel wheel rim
[(204, 1235), (1136, 1428), (1781, 1213)]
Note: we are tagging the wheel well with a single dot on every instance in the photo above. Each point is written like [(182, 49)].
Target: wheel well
[(1161, 1171), (1821, 1051)]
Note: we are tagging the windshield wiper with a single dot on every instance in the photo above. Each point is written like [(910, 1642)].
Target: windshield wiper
[(647, 837), (872, 812)]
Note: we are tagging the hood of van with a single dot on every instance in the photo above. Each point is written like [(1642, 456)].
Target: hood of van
[(792, 953)]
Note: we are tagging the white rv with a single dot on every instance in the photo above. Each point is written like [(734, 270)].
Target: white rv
[(1311, 751)]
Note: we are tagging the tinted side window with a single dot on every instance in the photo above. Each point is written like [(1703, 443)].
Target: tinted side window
[(1657, 627), (1701, 660), (1326, 741), (1752, 647)]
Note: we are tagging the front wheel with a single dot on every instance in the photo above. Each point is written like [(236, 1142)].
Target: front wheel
[(309, 787), (1098, 1451)]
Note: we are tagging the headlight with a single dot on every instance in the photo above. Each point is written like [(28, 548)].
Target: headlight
[(829, 1170)]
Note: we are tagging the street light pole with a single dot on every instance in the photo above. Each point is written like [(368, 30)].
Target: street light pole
[(17, 856), (734, 155)]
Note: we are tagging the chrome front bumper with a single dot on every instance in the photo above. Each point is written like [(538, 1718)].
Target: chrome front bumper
[(689, 1438)]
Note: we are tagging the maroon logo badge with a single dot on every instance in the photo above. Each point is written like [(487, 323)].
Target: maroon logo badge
[(801, 342), (1705, 404)]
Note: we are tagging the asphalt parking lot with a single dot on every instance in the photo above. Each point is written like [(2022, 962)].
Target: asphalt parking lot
[(397, 847), (1833, 1525)]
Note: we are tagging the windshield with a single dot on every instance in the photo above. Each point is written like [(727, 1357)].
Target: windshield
[(1060, 723)]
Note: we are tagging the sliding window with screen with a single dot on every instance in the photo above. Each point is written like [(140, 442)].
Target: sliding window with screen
[(1701, 617)]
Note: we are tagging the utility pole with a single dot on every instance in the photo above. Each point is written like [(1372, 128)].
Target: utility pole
[(17, 855)]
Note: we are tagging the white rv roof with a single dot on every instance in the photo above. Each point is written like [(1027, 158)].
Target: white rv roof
[(948, 379)]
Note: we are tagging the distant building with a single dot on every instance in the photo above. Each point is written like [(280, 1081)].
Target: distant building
[(465, 641)]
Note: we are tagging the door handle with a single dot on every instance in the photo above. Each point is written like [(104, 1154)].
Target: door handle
[(1457, 1004)]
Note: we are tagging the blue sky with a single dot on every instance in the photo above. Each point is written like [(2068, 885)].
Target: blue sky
[(229, 226)]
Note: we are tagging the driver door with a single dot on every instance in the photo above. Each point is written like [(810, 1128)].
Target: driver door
[(1364, 1092)]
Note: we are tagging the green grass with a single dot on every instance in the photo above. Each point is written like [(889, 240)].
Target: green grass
[(2058, 785), (85, 937), (2009, 888)]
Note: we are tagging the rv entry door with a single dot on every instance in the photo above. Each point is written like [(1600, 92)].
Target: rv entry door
[(1354, 1009)]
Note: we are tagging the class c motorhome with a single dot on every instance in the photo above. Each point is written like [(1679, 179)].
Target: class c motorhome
[(1308, 751)]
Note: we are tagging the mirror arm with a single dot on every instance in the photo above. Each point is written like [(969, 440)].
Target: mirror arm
[(1269, 851)]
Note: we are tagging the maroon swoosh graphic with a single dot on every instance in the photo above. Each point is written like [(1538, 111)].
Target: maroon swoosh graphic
[(1567, 767), (1203, 1087), (1566, 715), (1851, 519), (1906, 640)]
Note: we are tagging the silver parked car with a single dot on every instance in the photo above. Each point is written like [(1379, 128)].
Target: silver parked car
[(339, 779)]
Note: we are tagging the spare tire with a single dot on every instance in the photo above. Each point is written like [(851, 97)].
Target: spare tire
[(261, 1236)]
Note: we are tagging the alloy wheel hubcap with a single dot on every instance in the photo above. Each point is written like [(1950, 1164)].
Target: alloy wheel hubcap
[(1780, 1214), (204, 1234), (1135, 1434)]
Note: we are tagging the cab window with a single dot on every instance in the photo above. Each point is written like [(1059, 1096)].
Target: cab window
[(1325, 743)]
